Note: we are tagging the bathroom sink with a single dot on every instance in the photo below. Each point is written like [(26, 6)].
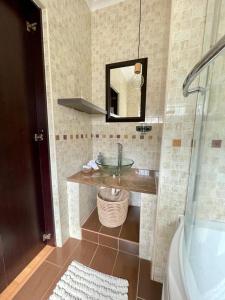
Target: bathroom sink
[(113, 166)]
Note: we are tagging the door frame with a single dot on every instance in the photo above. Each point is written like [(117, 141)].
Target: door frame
[(45, 147)]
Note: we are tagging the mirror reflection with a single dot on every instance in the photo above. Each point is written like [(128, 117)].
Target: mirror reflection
[(126, 91)]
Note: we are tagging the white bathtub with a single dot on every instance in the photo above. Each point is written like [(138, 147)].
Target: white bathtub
[(173, 287), (200, 274)]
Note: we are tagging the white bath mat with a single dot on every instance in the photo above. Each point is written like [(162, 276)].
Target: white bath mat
[(82, 283)]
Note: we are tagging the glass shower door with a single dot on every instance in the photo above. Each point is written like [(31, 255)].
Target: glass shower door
[(204, 229)]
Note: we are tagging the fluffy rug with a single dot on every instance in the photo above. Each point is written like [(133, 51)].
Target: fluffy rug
[(81, 283)]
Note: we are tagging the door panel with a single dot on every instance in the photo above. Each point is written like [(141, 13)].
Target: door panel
[(21, 191), (3, 281)]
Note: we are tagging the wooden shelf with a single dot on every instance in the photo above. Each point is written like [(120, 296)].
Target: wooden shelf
[(81, 105)]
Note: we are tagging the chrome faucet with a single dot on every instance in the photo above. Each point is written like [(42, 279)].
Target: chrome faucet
[(120, 153)]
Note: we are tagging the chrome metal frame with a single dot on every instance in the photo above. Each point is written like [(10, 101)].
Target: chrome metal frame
[(201, 65)]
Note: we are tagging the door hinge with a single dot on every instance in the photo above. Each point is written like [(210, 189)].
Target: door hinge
[(46, 237), (31, 26), (39, 137)]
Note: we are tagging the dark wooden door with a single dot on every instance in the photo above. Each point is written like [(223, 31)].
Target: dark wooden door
[(3, 280), (25, 195)]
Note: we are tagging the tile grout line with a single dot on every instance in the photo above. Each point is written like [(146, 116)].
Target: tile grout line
[(100, 228), (122, 251), (68, 258), (60, 268), (110, 236), (108, 247), (113, 238), (129, 241), (119, 238), (120, 231), (48, 289), (129, 253), (139, 267), (115, 262), (52, 263), (93, 256), (99, 233), (90, 230), (90, 241), (85, 220)]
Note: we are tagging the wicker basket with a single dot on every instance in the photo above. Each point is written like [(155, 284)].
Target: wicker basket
[(112, 209)]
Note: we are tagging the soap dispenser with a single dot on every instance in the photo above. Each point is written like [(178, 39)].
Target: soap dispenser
[(100, 157)]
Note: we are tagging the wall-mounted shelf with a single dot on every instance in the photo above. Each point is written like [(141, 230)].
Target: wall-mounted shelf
[(81, 105)]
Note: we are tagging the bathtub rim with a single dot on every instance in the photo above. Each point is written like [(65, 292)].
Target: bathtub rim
[(174, 287)]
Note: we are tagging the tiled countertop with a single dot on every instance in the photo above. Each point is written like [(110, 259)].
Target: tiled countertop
[(130, 181)]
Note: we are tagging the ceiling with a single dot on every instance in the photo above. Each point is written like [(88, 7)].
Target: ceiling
[(98, 4)]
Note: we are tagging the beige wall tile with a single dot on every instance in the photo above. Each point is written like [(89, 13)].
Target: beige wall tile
[(114, 39), (67, 43), (185, 49)]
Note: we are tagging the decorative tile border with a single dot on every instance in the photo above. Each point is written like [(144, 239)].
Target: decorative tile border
[(176, 143), (64, 137), (216, 143), (60, 137)]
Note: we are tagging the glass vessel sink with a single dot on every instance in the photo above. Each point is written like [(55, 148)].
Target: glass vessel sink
[(113, 166)]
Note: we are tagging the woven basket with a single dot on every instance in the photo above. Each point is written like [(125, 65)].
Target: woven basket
[(112, 209)]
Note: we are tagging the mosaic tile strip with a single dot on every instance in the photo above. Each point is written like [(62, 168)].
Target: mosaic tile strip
[(176, 143), (61, 137), (216, 143)]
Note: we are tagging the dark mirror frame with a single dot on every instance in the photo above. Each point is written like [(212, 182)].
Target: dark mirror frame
[(144, 62)]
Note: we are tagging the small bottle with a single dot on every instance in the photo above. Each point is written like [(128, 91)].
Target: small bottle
[(100, 157)]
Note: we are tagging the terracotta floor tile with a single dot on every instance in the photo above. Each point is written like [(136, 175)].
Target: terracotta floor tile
[(41, 284), (104, 260), (38, 283), (83, 253), (130, 229), (60, 255), (108, 241), (92, 222), (51, 287), (127, 267), (16, 285), (90, 236), (129, 247), (148, 289), (111, 231)]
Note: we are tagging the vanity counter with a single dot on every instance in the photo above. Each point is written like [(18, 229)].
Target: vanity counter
[(130, 181)]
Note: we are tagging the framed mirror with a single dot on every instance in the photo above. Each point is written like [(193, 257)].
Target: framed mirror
[(126, 90)]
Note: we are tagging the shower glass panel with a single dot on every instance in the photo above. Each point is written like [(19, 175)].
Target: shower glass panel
[(204, 229)]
